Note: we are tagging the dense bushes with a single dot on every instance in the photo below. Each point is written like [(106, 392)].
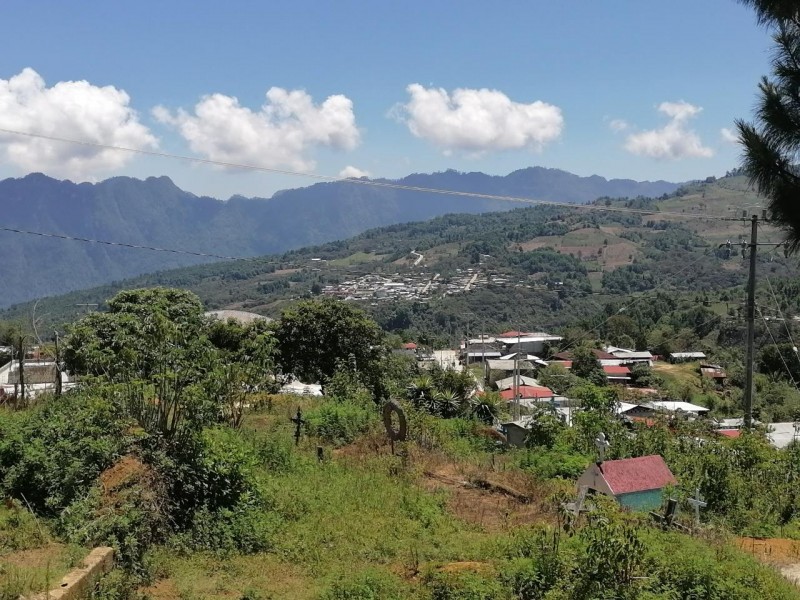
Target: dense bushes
[(53, 453), (339, 423)]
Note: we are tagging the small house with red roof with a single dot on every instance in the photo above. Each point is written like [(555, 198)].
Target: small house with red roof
[(617, 374), (636, 483), (527, 392)]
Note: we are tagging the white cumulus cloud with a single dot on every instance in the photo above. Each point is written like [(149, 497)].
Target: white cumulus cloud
[(479, 120), (280, 134), (729, 136), (353, 172), (72, 110), (618, 125), (673, 141)]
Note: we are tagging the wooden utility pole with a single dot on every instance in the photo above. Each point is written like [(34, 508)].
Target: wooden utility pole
[(750, 315)]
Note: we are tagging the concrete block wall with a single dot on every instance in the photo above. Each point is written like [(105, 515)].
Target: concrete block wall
[(79, 582)]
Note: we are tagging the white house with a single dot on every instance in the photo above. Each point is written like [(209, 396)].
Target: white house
[(40, 377), (519, 341), (675, 406)]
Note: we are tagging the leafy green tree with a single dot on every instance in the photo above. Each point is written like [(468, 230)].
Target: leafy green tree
[(557, 378), (777, 358), (19, 339), (544, 429), (642, 375), (772, 143), (155, 344), (315, 337), (141, 330), (586, 365)]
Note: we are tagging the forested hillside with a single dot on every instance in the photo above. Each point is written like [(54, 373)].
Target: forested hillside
[(541, 266), (155, 212)]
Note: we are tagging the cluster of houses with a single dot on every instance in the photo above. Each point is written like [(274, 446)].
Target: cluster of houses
[(416, 285), (409, 286)]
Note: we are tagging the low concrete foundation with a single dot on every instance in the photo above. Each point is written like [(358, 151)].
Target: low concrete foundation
[(78, 583)]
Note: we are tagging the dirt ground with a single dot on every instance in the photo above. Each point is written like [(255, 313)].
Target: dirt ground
[(492, 501), (35, 557), (163, 589), (782, 553), (125, 471)]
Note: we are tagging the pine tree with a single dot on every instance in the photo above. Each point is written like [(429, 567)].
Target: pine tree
[(772, 143)]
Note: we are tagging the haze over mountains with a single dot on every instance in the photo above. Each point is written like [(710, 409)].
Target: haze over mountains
[(155, 212)]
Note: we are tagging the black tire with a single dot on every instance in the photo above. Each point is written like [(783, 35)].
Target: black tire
[(398, 435)]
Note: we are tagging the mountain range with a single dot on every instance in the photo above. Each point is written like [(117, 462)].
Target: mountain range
[(155, 212)]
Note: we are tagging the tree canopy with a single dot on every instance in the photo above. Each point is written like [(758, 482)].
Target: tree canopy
[(772, 143), (315, 338)]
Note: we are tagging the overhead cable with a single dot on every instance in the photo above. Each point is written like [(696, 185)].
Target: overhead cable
[(370, 182)]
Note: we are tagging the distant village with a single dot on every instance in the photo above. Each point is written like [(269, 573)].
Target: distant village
[(512, 360), (417, 285)]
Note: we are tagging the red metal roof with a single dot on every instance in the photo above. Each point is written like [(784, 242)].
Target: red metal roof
[(410, 346), (617, 370), (601, 354), (637, 474), (513, 334), (731, 433), (567, 364), (528, 391)]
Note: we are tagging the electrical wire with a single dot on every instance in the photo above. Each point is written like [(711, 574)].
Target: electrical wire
[(780, 312), (775, 343), (125, 245), (369, 182)]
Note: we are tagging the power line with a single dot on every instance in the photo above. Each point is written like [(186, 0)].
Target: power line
[(125, 245), (368, 182), (777, 348)]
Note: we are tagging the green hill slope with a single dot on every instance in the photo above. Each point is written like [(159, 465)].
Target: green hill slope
[(538, 267)]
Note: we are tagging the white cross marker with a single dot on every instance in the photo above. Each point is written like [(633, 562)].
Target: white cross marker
[(698, 503)]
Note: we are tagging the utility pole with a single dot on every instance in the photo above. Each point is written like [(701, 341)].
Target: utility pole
[(517, 412), (751, 313)]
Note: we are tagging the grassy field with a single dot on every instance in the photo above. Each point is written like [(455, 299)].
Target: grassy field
[(366, 524), (360, 514), (31, 561)]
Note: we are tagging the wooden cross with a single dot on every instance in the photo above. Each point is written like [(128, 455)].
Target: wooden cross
[(698, 503), (602, 444), (576, 508), (298, 421)]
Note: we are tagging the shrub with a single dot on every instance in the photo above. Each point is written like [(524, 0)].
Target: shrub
[(466, 586), (52, 454), (213, 470), (340, 423), (367, 585), (559, 462)]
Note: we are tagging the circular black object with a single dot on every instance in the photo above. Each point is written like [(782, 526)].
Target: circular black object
[(399, 434)]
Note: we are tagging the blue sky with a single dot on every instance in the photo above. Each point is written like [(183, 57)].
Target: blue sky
[(633, 89)]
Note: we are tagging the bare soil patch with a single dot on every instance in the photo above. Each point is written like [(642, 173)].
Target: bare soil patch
[(492, 500), (125, 471), (781, 553), (163, 589), (35, 557), (771, 550)]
